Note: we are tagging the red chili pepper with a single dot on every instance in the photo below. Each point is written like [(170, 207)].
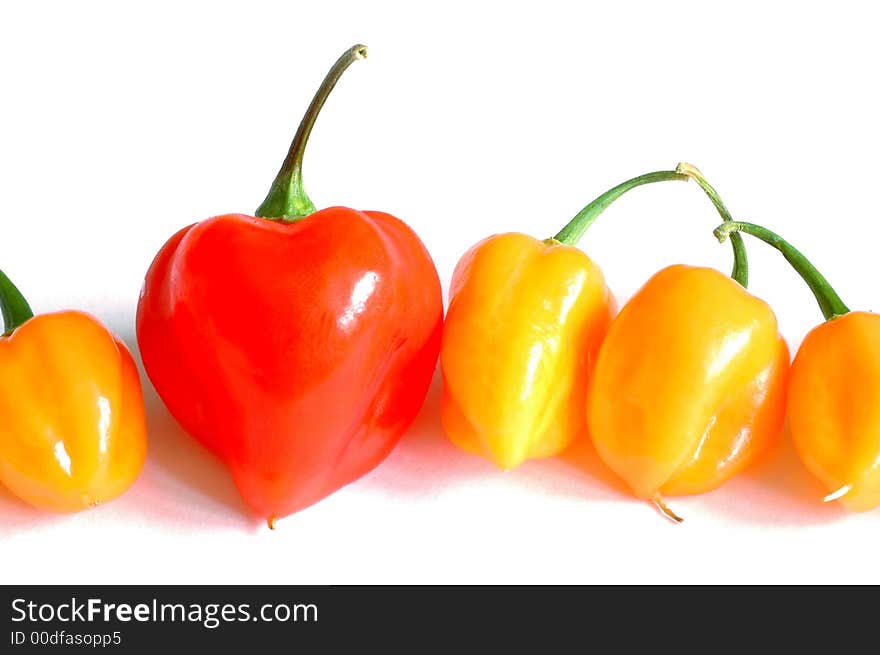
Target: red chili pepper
[(298, 345)]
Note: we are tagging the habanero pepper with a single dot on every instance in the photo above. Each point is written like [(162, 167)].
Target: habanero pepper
[(298, 345), (689, 385), (833, 408), (525, 321), (72, 427)]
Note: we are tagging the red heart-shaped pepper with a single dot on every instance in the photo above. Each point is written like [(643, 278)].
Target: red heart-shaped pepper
[(299, 349)]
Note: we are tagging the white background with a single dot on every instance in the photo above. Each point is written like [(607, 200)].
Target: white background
[(120, 124)]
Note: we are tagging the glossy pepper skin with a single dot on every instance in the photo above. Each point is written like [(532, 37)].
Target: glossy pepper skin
[(312, 385), (72, 425), (833, 408), (525, 321), (298, 345), (689, 385)]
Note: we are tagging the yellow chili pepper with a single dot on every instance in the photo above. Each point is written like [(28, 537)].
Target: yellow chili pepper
[(689, 386), (526, 318), (833, 409), (72, 425)]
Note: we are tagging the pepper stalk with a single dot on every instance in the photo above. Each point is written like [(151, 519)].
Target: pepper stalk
[(829, 302), (13, 306), (577, 226), (287, 200)]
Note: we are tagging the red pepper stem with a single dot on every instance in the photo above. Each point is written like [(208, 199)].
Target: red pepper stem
[(287, 200), (13, 306), (577, 226), (829, 302)]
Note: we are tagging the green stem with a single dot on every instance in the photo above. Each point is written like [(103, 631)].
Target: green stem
[(577, 226), (13, 306), (287, 200), (829, 302), (740, 259)]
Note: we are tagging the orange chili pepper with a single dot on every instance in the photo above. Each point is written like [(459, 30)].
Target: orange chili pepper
[(72, 425), (833, 408), (525, 321), (689, 386)]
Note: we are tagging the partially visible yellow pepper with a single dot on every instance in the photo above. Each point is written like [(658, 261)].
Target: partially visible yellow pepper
[(832, 410), (72, 426), (525, 322)]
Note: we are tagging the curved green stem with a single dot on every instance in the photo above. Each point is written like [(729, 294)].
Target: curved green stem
[(577, 226), (287, 200), (829, 302), (13, 306), (740, 259)]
